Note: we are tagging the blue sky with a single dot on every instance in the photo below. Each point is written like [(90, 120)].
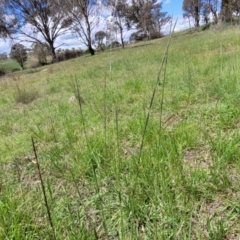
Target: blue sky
[(173, 7)]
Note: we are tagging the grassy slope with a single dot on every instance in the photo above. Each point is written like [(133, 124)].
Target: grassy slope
[(9, 65), (186, 183)]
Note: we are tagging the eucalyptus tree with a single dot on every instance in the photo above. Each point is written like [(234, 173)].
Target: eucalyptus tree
[(99, 38), (85, 16), (146, 15), (38, 21), (19, 53), (192, 8), (230, 8), (119, 11), (211, 7)]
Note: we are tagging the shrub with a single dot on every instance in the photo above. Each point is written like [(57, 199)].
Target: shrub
[(19, 53), (41, 51), (138, 36), (2, 72), (24, 96), (68, 54), (15, 70)]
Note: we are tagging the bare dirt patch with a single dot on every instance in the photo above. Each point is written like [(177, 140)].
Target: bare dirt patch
[(197, 158), (215, 218)]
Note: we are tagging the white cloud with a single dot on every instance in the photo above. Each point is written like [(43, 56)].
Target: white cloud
[(167, 1)]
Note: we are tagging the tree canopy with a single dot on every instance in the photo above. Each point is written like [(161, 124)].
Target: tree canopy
[(19, 53), (147, 16), (44, 21)]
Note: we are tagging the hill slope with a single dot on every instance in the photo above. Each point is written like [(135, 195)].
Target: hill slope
[(113, 167)]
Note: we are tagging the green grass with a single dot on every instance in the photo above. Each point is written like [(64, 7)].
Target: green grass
[(185, 182), (10, 65)]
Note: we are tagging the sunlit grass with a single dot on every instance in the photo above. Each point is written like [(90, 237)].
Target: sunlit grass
[(186, 183)]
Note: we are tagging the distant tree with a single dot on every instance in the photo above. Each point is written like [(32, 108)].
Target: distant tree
[(19, 53), (192, 8), (44, 21), (41, 51), (3, 56), (85, 17), (147, 16), (230, 9), (119, 13), (236, 6), (210, 7), (226, 10), (137, 36), (111, 30), (99, 37)]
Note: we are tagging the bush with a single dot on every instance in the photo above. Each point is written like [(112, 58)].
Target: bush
[(19, 53), (25, 97), (2, 72), (114, 44), (15, 70), (68, 54), (155, 35), (41, 51), (138, 36)]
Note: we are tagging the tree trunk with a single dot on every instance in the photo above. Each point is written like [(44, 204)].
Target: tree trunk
[(215, 17), (226, 10), (196, 9), (53, 53), (122, 40), (91, 50), (22, 65)]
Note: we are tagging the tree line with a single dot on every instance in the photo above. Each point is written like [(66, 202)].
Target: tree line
[(224, 10), (42, 22)]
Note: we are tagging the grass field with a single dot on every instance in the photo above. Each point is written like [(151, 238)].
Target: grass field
[(134, 158), (9, 65)]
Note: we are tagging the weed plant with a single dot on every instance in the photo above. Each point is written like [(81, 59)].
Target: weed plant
[(139, 159)]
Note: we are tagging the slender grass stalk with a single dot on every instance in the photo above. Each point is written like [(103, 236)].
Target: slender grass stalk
[(43, 189), (164, 61), (53, 131), (93, 165), (163, 92), (77, 89), (117, 135), (76, 186), (105, 109), (118, 169)]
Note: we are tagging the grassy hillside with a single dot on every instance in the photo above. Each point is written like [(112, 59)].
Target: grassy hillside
[(9, 65), (113, 167)]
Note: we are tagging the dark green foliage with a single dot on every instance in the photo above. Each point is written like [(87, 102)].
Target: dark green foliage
[(137, 36), (68, 54), (2, 72)]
